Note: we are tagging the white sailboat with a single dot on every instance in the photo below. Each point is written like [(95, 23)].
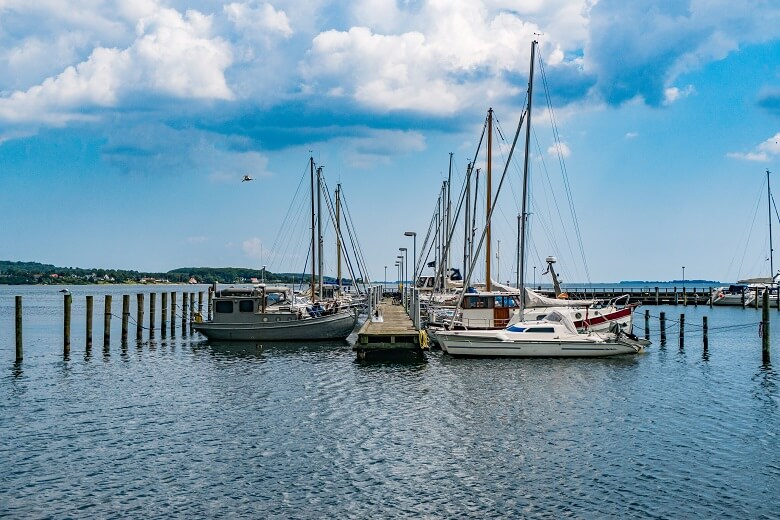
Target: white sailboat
[(555, 335)]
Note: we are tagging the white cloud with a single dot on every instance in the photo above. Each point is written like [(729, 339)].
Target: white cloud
[(632, 135), (764, 152), (672, 94), (173, 55), (258, 21), (561, 148), (253, 248)]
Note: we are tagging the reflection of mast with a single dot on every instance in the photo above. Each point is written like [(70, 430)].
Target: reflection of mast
[(489, 190)]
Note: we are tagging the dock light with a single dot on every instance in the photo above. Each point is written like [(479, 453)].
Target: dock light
[(414, 254)]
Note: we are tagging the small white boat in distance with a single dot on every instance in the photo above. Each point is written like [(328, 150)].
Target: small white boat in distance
[(735, 294), (554, 336)]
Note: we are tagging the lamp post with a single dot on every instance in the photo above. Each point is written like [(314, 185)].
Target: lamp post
[(683, 268), (403, 277), (414, 254), (534, 277), (406, 269), (398, 273), (262, 276), (384, 287)]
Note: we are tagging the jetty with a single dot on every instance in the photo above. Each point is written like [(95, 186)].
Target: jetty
[(389, 333), (643, 295)]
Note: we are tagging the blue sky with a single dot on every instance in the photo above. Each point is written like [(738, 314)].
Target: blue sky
[(126, 127)]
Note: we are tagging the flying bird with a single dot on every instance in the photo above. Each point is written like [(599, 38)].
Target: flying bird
[(247, 178)]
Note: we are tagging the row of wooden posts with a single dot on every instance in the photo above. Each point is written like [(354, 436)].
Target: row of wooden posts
[(705, 329), (187, 307)]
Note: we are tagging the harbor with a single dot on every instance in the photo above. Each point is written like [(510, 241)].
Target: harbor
[(181, 426)]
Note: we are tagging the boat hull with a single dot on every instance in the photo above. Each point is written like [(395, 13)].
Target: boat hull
[(334, 326), (466, 346)]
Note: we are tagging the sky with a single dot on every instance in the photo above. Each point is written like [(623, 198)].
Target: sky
[(126, 128)]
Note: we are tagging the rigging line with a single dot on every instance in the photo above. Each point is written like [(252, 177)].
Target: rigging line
[(563, 168), (750, 231), (343, 241), (352, 232), (289, 212)]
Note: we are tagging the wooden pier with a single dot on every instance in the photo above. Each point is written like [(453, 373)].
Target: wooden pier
[(643, 295), (393, 336)]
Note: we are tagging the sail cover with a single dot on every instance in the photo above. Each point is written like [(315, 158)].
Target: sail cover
[(533, 299)]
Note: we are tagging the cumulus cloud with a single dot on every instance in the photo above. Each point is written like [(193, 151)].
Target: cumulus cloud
[(761, 153), (672, 94), (560, 148), (375, 146), (632, 135), (173, 55)]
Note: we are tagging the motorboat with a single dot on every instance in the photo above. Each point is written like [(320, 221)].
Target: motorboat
[(735, 294), (553, 336)]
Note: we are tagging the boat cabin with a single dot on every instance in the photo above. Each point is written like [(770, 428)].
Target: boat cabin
[(488, 309)]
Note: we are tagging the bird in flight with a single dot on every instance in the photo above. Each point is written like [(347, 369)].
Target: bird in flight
[(247, 178)]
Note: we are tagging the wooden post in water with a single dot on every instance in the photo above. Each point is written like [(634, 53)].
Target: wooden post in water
[(200, 304), (125, 317), (710, 293), (647, 323), (184, 313), (695, 298), (164, 309), (213, 289), (192, 307), (682, 331), (663, 328), (152, 312), (66, 326), (173, 313), (705, 332), (676, 296), (90, 304), (765, 328), (139, 317), (657, 297), (19, 345), (107, 323)]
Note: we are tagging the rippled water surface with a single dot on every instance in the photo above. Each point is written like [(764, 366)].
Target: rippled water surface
[(179, 427)]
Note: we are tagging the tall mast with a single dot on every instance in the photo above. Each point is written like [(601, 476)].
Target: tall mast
[(319, 228), (769, 208), (489, 190), (474, 218), (521, 269), (467, 219), (448, 263), (313, 230), (338, 234)]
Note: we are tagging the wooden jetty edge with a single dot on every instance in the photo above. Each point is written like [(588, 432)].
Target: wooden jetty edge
[(393, 335)]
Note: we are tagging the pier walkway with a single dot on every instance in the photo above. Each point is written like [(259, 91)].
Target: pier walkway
[(392, 335)]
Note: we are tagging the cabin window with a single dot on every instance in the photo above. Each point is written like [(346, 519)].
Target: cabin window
[(246, 306), (223, 306), (540, 329), (476, 302), (505, 302)]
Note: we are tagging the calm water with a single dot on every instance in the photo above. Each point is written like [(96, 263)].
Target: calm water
[(178, 427)]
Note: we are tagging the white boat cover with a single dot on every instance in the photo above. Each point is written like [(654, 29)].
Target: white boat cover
[(556, 316), (533, 299)]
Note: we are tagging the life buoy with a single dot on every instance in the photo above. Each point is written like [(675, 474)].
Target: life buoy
[(423, 339), (721, 295)]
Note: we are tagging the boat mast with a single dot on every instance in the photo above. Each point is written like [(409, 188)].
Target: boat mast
[(448, 264), (474, 218), (489, 190), (338, 234), (313, 237), (319, 228), (769, 208), (467, 218), (520, 274)]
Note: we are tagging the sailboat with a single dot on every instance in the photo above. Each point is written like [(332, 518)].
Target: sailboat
[(274, 313), (745, 292), (555, 335)]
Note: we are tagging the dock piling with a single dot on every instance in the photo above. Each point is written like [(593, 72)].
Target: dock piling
[(125, 317), (90, 304), (765, 328), (19, 345), (682, 331), (107, 323), (705, 332), (200, 303), (663, 328), (139, 317), (164, 309), (68, 300), (647, 323), (184, 313), (152, 312), (173, 313)]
